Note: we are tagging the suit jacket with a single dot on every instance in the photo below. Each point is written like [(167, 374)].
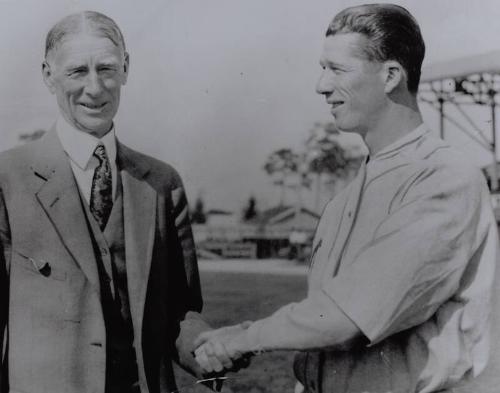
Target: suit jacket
[(51, 318)]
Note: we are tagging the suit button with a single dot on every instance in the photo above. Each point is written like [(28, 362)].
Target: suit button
[(104, 251)]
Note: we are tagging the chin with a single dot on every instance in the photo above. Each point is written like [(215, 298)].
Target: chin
[(96, 129), (343, 126), (348, 124)]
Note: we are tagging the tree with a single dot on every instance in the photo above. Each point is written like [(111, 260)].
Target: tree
[(325, 159), (250, 211), (281, 164), (326, 156), (198, 216)]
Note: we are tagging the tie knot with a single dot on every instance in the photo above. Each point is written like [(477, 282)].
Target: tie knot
[(100, 153)]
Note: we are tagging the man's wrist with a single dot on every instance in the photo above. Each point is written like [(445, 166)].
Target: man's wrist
[(249, 339)]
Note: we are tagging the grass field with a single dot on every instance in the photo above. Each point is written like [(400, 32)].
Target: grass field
[(233, 297)]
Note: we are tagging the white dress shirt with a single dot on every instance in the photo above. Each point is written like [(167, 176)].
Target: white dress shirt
[(80, 147)]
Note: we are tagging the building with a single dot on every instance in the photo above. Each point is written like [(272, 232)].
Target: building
[(270, 234)]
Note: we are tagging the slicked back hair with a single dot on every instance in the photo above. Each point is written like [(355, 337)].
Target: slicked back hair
[(87, 21), (392, 34)]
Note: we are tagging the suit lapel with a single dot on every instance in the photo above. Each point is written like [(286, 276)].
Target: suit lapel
[(60, 199), (139, 213)]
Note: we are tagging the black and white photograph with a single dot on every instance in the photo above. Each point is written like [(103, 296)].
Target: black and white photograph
[(249, 196)]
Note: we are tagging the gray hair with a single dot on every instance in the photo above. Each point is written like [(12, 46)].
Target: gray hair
[(86, 21)]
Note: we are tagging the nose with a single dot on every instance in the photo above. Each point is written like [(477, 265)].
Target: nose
[(93, 84), (325, 83)]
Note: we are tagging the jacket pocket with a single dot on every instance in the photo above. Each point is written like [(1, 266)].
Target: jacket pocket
[(40, 266)]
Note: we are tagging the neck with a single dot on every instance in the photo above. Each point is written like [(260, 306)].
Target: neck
[(395, 123)]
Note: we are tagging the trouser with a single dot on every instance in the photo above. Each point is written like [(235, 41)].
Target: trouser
[(310, 366)]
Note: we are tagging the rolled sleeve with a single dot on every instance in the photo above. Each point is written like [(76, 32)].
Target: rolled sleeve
[(417, 256)]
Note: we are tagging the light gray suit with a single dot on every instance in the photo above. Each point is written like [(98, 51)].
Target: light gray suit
[(51, 315)]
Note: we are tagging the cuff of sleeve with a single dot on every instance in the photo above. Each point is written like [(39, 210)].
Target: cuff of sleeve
[(352, 309)]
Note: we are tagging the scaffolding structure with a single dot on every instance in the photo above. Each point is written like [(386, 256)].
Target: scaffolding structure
[(463, 83)]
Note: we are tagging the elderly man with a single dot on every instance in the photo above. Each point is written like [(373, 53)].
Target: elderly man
[(403, 259), (99, 280)]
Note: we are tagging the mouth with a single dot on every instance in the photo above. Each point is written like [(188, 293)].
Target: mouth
[(92, 106), (336, 104)]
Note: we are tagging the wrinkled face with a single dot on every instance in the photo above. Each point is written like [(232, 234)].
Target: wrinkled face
[(352, 85), (86, 73)]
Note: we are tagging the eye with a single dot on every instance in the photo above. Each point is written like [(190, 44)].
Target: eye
[(77, 72), (333, 68), (107, 69)]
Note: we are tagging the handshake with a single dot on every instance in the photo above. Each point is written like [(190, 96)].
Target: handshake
[(221, 350)]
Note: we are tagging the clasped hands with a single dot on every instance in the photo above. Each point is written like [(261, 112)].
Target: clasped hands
[(221, 350)]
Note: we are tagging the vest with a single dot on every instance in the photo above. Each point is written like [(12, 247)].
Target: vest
[(109, 249)]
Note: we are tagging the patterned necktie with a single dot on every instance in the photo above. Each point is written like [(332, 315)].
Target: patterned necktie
[(101, 193)]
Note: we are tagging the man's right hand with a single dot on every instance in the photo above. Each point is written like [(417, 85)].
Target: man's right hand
[(221, 350)]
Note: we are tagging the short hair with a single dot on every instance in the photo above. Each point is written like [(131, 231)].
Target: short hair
[(392, 33), (86, 21)]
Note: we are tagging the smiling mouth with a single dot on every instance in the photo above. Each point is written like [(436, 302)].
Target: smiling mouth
[(93, 106), (336, 104)]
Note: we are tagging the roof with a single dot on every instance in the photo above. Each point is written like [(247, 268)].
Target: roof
[(279, 214), (219, 212), (462, 67), (268, 214)]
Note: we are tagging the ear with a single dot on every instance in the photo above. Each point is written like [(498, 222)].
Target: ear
[(394, 74), (48, 77), (126, 64)]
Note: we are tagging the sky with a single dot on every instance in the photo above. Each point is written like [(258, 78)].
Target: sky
[(216, 86)]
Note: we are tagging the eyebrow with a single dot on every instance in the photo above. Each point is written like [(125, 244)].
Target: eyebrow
[(329, 63), (74, 67), (106, 63)]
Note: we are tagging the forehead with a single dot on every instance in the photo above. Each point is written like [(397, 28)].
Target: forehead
[(84, 47), (344, 47)]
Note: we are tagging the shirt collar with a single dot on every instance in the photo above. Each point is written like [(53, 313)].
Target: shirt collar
[(80, 146), (408, 139)]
